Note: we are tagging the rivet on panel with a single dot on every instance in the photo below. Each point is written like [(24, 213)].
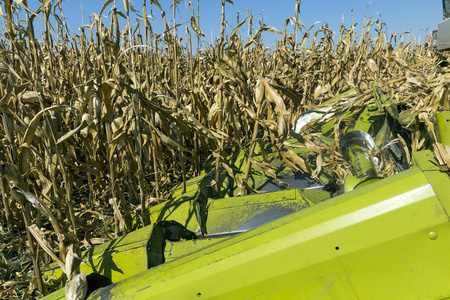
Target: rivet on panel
[(433, 235)]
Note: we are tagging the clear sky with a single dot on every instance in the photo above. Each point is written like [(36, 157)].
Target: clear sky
[(400, 16)]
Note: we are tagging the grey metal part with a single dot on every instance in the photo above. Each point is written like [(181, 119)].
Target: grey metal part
[(265, 218), (443, 35), (446, 8), (297, 180), (356, 138)]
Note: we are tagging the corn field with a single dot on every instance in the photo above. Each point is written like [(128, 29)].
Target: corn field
[(97, 127)]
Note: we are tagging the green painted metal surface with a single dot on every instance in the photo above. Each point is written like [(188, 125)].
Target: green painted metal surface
[(443, 126), (387, 240), (440, 181), (115, 259), (122, 257), (229, 214)]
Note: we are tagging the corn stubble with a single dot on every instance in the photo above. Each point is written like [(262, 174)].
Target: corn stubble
[(97, 127)]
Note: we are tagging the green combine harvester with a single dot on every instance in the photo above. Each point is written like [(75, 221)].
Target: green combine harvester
[(296, 237)]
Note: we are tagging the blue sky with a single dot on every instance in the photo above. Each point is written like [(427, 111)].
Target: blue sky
[(400, 16)]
